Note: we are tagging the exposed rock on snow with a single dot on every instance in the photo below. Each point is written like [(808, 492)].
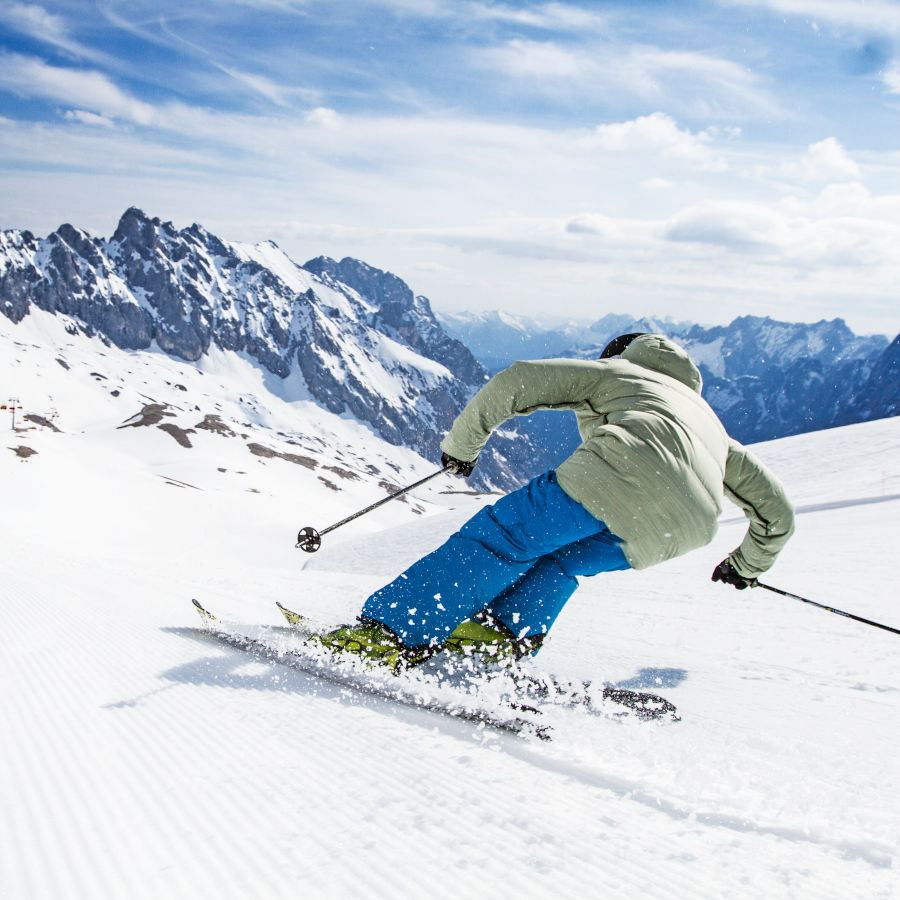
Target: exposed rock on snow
[(23, 451), (42, 421), (180, 434), (214, 423), (269, 453)]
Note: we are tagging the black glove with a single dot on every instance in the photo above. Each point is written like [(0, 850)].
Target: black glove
[(727, 573), (457, 466)]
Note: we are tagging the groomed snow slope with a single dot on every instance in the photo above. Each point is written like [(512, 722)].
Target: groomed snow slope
[(137, 761)]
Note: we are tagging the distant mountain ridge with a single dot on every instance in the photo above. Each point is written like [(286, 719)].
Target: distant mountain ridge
[(765, 379), (497, 338)]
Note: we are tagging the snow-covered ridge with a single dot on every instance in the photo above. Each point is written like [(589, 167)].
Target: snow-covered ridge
[(188, 292), (216, 425)]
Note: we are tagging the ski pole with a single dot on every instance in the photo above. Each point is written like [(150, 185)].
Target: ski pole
[(309, 540), (831, 609)]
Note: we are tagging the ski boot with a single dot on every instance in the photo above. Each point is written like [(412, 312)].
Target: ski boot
[(489, 636), (373, 643)]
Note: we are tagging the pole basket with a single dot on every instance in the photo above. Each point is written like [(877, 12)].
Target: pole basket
[(308, 539)]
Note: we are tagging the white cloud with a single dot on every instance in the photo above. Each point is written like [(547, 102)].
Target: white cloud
[(539, 59), (94, 98), (846, 200), (860, 15), (31, 77), (828, 161), (707, 86), (89, 118), (35, 21), (548, 16), (656, 184), (323, 116), (891, 78), (656, 134), (430, 8), (552, 16), (593, 224), (653, 66), (824, 162), (797, 235), (736, 226), (52, 29), (279, 94)]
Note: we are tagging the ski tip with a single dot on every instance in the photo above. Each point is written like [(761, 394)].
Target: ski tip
[(204, 613), (292, 617)]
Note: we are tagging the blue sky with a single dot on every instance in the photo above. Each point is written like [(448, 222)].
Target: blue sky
[(696, 159)]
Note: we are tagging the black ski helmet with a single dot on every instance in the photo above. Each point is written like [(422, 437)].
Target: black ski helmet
[(617, 345)]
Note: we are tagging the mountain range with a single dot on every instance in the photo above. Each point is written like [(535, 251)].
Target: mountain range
[(359, 343), (353, 339), (764, 378)]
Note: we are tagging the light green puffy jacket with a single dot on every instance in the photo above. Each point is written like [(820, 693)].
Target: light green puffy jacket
[(655, 461)]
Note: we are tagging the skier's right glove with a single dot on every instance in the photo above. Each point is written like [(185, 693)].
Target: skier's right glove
[(727, 573), (457, 466)]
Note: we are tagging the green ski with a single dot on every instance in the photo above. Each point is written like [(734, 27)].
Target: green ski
[(309, 659), (294, 619)]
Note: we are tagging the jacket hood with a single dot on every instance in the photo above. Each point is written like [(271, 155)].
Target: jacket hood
[(653, 351)]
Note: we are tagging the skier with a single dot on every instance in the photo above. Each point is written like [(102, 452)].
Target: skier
[(645, 485)]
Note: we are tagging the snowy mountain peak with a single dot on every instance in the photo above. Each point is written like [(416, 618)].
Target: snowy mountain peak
[(377, 285), (401, 314), (360, 341)]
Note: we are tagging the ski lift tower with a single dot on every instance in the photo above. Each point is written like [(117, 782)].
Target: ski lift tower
[(12, 405)]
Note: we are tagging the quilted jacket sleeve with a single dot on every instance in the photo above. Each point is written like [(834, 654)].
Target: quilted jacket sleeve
[(750, 485), (521, 389)]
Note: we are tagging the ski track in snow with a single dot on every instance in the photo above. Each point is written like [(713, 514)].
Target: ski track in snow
[(136, 763), (156, 768)]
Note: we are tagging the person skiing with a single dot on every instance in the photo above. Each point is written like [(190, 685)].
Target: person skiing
[(645, 485)]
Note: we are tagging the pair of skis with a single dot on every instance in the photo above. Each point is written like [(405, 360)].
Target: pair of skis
[(454, 691)]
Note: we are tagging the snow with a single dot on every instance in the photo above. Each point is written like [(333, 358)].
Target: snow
[(392, 351), (709, 355), (138, 761), (272, 257)]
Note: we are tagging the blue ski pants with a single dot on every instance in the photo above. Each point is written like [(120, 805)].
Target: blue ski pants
[(517, 559)]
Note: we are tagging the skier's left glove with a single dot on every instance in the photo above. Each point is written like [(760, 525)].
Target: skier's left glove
[(727, 573), (457, 466)]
